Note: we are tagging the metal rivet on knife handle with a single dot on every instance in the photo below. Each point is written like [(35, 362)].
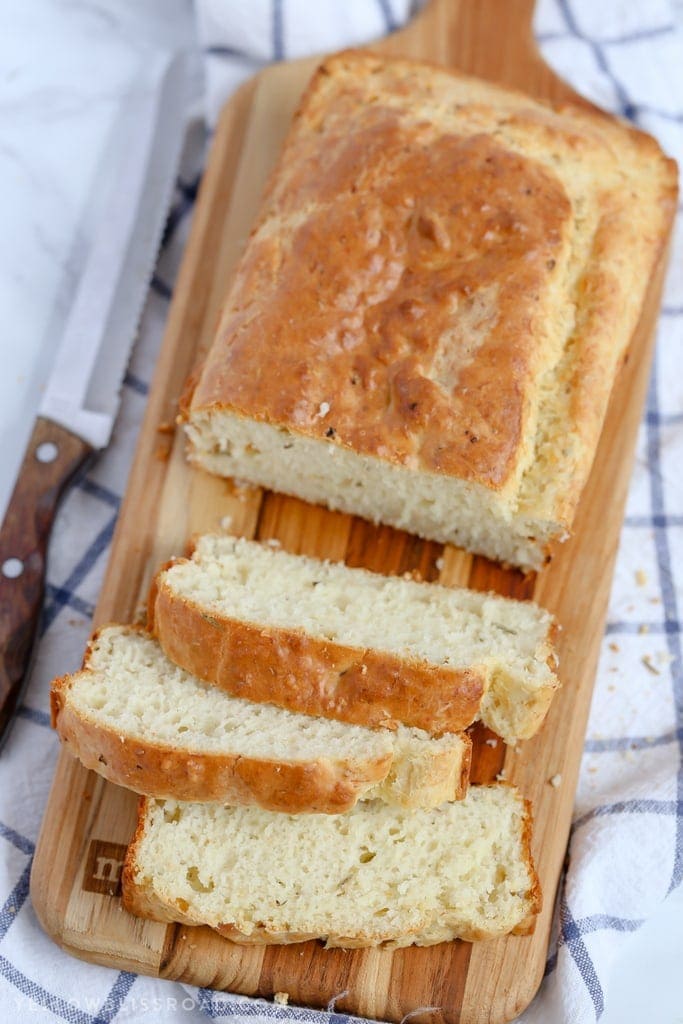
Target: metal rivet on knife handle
[(47, 451), (12, 568)]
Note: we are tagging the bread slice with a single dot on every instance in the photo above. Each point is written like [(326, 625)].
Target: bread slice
[(324, 639), (433, 304), (145, 724), (377, 875)]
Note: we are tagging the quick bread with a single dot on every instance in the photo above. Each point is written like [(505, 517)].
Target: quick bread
[(325, 639), (430, 312), (376, 875), (145, 724)]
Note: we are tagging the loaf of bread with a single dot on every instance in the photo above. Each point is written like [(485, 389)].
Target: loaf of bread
[(325, 639), (376, 875), (145, 724), (430, 312)]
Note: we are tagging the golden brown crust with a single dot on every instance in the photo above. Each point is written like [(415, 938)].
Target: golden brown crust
[(57, 689), (463, 224), (315, 677), (447, 286), (321, 786), (132, 892), (187, 394), (527, 926)]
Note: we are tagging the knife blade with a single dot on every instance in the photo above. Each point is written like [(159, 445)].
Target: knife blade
[(82, 395)]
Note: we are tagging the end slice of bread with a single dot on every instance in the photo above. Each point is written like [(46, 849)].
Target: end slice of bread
[(325, 639), (375, 876), (141, 722)]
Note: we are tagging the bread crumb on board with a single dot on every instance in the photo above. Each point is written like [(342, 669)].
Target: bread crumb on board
[(241, 489), (140, 614), (555, 780), (281, 998)]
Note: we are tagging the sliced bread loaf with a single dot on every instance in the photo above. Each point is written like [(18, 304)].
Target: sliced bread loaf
[(376, 875), (145, 724), (324, 639)]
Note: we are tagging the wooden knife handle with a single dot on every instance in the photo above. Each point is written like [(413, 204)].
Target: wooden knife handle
[(52, 457)]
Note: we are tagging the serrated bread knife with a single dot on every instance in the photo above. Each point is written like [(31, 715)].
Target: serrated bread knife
[(82, 394)]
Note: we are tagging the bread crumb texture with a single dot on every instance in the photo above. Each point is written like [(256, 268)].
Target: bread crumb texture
[(375, 875)]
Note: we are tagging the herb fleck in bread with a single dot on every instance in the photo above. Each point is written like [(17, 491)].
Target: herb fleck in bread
[(376, 875), (143, 723), (432, 307), (324, 639)]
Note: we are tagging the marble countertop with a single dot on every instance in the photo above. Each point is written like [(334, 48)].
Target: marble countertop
[(65, 66)]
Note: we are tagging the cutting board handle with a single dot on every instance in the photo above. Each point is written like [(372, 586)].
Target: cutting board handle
[(492, 39), (487, 28), (506, 21)]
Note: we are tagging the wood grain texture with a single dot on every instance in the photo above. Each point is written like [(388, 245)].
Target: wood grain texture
[(53, 455), (167, 501)]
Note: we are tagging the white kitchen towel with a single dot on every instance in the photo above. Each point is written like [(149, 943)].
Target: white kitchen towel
[(626, 850)]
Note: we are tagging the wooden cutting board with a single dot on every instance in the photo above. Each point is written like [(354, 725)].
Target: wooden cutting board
[(75, 883)]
